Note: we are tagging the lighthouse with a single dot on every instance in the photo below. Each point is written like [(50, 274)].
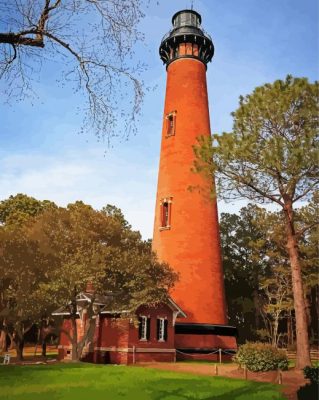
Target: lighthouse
[(186, 231)]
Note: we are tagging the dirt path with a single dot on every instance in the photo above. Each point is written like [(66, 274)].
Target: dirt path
[(291, 380)]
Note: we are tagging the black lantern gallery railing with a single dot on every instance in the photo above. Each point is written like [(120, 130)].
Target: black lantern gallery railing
[(186, 39)]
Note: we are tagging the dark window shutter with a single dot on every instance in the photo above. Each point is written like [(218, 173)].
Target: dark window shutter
[(140, 328), (168, 125), (165, 329), (174, 124), (148, 329), (158, 328), (166, 215), (163, 214)]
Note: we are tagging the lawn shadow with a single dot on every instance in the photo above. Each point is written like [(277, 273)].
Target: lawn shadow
[(265, 391), (247, 390)]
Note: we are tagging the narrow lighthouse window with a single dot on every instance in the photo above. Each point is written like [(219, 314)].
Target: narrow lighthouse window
[(165, 221), (166, 210), (170, 124)]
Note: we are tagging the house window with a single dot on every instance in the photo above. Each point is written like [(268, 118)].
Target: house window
[(166, 208), (144, 327), (162, 329), (170, 123)]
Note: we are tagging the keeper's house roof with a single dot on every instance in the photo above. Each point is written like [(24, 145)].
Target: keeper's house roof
[(103, 301)]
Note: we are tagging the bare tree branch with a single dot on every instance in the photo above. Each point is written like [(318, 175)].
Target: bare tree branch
[(98, 34)]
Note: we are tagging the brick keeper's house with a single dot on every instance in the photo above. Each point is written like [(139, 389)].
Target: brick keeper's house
[(120, 338)]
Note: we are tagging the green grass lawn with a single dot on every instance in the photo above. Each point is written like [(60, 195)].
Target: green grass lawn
[(107, 382)]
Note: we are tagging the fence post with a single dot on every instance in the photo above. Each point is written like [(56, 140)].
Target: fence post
[(134, 355), (279, 377), (220, 356), (6, 359), (245, 372), (216, 369)]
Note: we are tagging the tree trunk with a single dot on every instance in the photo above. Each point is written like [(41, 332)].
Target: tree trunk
[(19, 349), (257, 310), (317, 301), (44, 347), (275, 337), (302, 339), (88, 337), (3, 341), (74, 351)]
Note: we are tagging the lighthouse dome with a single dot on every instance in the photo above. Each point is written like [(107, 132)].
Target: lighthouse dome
[(186, 29)]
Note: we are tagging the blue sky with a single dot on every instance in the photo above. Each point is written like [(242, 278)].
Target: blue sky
[(42, 155)]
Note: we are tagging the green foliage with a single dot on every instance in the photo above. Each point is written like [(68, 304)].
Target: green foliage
[(271, 156), (98, 247), (307, 218), (22, 268), (310, 390), (17, 209), (116, 213), (272, 152), (257, 274), (49, 257), (312, 373), (244, 265), (261, 357)]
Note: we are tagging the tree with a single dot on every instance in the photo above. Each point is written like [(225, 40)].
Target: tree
[(22, 268), (244, 266), (18, 257), (257, 274), (99, 248), (15, 210), (271, 156), (91, 40), (52, 257), (277, 301), (309, 251)]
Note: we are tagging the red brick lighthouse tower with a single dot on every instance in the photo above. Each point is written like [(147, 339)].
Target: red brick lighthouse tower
[(186, 232)]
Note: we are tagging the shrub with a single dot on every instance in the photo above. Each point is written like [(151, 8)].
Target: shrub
[(312, 373), (261, 357), (310, 390)]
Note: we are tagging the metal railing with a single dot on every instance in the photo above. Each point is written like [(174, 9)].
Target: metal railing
[(172, 30)]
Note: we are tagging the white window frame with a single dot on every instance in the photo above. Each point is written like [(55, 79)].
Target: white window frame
[(161, 333), (143, 327)]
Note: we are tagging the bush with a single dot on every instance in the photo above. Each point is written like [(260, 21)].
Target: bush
[(261, 357), (312, 373), (310, 390)]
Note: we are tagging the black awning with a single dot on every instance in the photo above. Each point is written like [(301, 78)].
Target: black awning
[(205, 329)]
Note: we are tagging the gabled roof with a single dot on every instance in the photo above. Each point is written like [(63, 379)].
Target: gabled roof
[(103, 302), (61, 311), (170, 302), (99, 299), (86, 297)]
